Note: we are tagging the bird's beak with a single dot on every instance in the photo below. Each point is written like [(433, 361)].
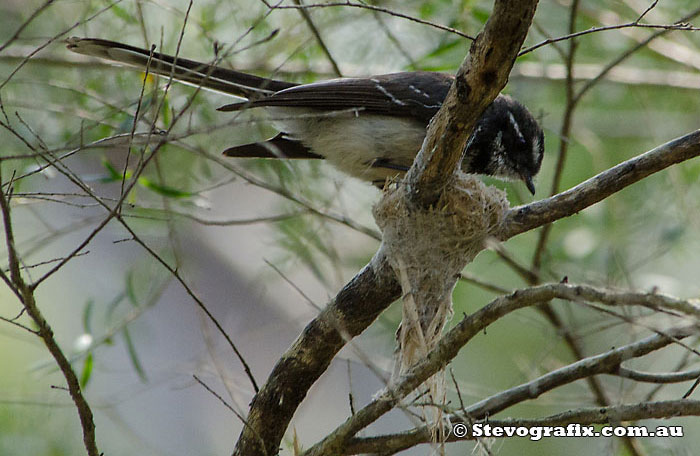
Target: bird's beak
[(528, 183)]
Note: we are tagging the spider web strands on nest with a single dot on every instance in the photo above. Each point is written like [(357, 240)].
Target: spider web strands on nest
[(427, 248)]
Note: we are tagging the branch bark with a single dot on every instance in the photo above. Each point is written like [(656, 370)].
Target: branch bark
[(614, 414)]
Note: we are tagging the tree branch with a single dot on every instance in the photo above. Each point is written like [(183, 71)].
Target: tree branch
[(614, 414), (525, 218), (665, 377), (377, 9), (604, 363), (45, 332), (456, 338)]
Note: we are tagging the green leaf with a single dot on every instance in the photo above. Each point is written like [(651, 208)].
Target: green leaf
[(480, 14), (131, 289), (133, 356), (87, 315), (163, 189), (165, 112), (444, 48), (112, 306), (87, 370), (123, 14), (426, 10), (114, 175)]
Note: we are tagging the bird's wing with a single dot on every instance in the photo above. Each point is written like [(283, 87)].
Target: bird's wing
[(418, 95)]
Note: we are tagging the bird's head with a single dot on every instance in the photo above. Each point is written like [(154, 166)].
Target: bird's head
[(507, 142)]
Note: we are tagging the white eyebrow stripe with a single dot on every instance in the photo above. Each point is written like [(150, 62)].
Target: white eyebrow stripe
[(515, 125), (536, 150)]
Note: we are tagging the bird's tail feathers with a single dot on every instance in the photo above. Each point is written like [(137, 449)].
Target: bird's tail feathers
[(188, 71)]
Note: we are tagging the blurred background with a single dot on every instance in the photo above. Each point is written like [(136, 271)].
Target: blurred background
[(265, 244)]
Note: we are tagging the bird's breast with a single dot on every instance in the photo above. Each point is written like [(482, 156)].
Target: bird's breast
[(356, 143)]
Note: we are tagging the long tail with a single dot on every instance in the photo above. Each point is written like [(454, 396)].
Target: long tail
[(202, 75), (185, 70)]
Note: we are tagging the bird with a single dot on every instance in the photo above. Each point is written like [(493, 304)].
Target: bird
[(368, 127)]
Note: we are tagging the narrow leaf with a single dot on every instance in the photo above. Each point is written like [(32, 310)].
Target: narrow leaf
[(133, 356)]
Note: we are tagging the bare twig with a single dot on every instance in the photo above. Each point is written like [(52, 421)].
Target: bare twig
[(620, 74), (19, 325), (605, 363), (571, 35), (24, 25), (220, 399), (666, 377), (394, 40), (564, 134), (646, 11), (136, 120), (470, 278), (622, 57), (45, 332), (378, 9), (226, 222), (319, 39), (294, 285), (53, 39)]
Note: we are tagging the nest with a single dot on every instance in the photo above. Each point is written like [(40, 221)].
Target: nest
[(427, 249)]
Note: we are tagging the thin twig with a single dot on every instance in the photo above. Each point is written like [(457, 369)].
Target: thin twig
[(45, 332), (54, 38), (24, 25), (622, 57), (322, 44), (666, 377), (605, 28), (379, 10), (564, 134)]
